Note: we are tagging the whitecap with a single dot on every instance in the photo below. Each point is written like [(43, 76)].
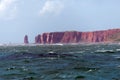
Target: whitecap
[(105, 51), (116, 56), (51, 52), (118, 50)]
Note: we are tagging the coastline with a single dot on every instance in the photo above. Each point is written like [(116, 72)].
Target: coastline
[(61, 44)]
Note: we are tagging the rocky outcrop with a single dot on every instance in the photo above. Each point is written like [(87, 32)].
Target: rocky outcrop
[(112, 35), (26, 39)]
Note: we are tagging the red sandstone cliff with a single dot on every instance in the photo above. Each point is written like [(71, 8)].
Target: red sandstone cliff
[(26, 39), (111, 35)]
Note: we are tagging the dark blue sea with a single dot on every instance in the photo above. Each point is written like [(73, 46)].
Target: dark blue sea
[(60, 62)]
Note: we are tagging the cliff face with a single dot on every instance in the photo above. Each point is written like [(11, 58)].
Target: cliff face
[(112, 35)]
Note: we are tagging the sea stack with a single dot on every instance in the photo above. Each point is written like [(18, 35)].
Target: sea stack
[(26, 39)]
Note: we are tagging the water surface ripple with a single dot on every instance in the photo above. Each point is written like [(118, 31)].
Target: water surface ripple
[(54, 62)]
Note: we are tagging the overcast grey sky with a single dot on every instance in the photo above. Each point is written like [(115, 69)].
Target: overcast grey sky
[(32, 17)]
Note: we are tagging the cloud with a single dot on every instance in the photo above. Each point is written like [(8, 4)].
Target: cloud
[(52, 7), (7, 9)]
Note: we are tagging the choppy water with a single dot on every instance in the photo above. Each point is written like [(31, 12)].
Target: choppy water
[(88, 62)]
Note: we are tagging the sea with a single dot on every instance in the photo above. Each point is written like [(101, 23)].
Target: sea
[(60, 62)]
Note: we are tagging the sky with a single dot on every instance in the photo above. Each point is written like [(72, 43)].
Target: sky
[(32, 17)]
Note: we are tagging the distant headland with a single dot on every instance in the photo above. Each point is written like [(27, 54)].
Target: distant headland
[(111, 35)]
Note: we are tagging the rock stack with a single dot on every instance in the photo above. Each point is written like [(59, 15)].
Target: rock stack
[(26, 39)]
